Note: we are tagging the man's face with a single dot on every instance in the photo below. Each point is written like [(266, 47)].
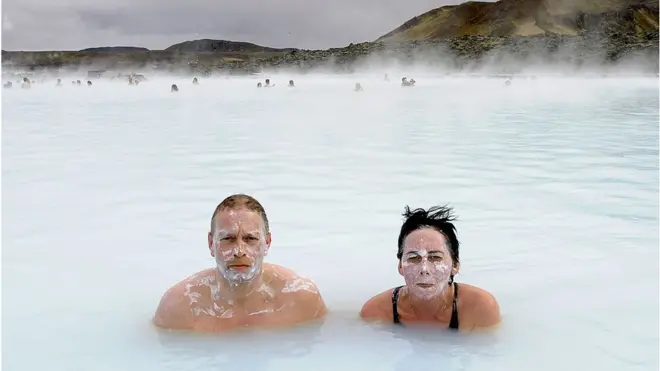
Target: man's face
[(239, 243), (426, 263)]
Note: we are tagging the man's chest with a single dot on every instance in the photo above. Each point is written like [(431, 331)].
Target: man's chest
[(221, 316)]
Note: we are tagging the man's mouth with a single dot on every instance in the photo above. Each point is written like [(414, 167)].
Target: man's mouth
[(239, 266), (425, 285)]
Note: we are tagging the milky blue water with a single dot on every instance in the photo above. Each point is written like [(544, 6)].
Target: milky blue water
[(107, 194)]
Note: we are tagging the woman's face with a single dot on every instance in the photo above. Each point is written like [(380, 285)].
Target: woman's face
[(426, 264)]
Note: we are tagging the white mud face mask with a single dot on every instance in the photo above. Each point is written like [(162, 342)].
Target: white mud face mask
[(426, 273), (239, 260)]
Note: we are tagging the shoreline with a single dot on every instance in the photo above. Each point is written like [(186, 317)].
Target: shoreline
[(496, 55)]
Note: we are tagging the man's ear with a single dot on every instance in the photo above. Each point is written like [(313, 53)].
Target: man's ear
[(210, 242), (268, 241)]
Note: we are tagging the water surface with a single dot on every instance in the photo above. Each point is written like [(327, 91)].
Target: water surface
[(108, 191)]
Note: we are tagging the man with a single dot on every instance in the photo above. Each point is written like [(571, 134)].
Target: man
[(241, 290), (428, 261)]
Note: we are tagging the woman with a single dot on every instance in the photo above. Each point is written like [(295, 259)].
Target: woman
[(428, 262)]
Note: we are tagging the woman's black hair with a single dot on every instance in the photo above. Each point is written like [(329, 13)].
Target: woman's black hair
[(439, 218)]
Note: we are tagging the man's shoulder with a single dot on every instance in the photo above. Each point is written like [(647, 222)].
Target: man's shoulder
[(202, 278), (174, 309), (279, 271), (299, 291), (287, 281)]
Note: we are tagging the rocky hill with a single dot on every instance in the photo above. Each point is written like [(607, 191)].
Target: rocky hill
[(115, 49), (507, 18), (208, 45), (507, 35)]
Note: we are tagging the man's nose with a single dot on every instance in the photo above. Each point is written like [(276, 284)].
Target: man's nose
[(239, 251)]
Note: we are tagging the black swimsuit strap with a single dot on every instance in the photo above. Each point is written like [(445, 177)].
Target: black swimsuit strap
[(453, 323), (395, 302)]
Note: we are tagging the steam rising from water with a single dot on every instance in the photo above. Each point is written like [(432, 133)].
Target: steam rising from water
[(466, 95)]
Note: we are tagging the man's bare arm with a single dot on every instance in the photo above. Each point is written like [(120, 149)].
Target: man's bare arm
[(310, 302), (173, 311)]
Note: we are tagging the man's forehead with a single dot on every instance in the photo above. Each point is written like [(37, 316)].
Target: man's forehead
[(239, 217)]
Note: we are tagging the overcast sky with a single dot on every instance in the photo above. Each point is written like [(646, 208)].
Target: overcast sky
[(157, 24)]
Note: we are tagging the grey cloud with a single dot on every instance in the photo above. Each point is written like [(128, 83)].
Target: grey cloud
[(156, 24)]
